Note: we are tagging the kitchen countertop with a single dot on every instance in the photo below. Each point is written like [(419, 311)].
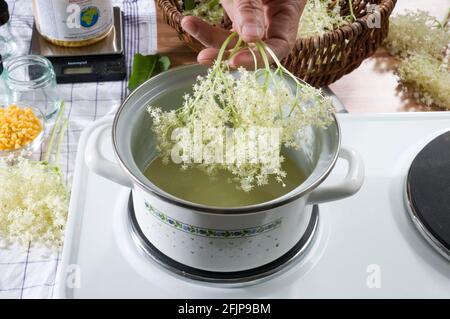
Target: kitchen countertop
[(373, 87)]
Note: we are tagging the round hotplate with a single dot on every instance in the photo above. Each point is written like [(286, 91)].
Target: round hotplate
[(228, 278), (428, 190)]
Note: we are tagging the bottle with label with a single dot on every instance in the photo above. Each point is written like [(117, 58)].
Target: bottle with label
[(73, 23), (8, 44)]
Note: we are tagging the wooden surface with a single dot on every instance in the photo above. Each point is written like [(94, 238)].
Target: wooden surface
[(373, 87), (169, 44)]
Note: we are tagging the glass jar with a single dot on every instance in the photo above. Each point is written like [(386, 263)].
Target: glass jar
[(30, 81), (3, 94), (8, 45)]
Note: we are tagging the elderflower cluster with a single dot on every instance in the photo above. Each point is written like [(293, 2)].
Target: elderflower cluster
[(417, 32), (428, 78), (209, 10), (421, 42), (33, 203), (241, 103), (320, 17)]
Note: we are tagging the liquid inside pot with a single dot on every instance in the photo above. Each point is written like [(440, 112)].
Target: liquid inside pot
[(195, 186)]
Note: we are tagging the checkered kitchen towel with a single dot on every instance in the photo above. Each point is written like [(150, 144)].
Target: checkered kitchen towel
[(30, 272)]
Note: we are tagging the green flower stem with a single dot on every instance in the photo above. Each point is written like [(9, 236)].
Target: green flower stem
[(216, 69), (224, 47), (53, 133), (255, 59), (236, 48), (261, 48), (352, 14), (62, 132), (284, 71), (278, 63)]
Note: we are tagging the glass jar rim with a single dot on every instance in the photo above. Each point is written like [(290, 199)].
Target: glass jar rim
[(12, 64)]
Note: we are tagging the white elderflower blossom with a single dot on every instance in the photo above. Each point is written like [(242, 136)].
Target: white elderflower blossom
[(423, 45), (240, 122), (417, 32), (320, 17), (33, 203), (208, 10), (427, 79)]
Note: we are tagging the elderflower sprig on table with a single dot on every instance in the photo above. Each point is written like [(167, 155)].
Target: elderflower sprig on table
[(242, 105), (34, 199), (417, 32), (427, 78), (422, 44), (34, 203)]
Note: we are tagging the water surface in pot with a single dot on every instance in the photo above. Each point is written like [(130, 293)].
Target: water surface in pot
[(219, 190)]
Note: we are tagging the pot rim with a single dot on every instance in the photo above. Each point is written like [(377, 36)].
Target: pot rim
[(278, 202)]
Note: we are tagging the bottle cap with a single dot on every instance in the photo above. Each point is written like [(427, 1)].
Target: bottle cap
[(4, 12)]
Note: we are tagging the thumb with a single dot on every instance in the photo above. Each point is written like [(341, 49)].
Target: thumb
[(248, 18)]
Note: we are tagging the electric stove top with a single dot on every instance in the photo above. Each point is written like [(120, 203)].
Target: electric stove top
[(366, 246)]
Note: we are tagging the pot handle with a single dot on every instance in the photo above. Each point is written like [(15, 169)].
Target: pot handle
[(349, 186), (98, 163)]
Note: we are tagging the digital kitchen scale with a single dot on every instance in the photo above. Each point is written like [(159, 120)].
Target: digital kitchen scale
[(102, 61)]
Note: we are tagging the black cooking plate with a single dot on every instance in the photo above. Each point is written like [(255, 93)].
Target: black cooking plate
[(429, 188)]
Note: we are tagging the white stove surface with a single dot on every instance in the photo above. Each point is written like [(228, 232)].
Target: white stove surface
[(366, 246)]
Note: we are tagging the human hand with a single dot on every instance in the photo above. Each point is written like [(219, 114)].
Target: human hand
[(273, 21)]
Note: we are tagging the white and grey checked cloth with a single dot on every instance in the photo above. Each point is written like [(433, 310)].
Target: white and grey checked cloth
[(29, 272)]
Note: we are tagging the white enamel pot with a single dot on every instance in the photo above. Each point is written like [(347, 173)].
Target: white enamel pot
[(213, 238)]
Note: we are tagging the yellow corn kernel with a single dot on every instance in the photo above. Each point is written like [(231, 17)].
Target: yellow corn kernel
[(18, 127)]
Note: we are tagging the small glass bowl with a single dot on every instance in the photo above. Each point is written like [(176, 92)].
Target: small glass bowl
[(27, 150)]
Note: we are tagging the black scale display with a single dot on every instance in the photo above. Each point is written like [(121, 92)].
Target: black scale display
[(102, 61), (428, 187)]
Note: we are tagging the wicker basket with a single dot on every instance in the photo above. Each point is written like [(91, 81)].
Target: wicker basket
[(319, 60)]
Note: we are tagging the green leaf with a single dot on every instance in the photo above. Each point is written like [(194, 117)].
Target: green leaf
[(189, 4), (145, 67), (163, 63)]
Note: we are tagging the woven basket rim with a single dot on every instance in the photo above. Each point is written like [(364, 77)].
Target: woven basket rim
[(357, 27)]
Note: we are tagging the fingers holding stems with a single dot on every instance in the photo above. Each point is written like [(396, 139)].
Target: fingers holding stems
[(253, 24), (208, 35), (248, 18)]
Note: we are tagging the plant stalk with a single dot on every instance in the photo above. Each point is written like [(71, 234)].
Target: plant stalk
[(48, 153)]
